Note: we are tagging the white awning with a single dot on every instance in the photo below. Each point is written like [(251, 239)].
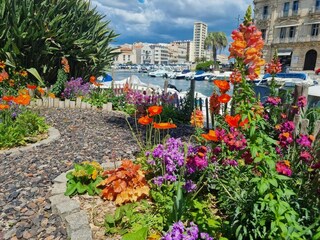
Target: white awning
[(284, 53), (283, 26)]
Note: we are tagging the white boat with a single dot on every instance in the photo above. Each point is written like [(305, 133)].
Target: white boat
[(202, 75), (184, 74), (159, 73), (288, 79)]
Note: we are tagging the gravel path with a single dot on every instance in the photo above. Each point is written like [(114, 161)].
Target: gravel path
[(26, 178)]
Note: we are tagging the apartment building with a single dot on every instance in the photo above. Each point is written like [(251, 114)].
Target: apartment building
[(292, 28), (189, 46), (125, 55), (177, 53), (160, 54), (200, 31)]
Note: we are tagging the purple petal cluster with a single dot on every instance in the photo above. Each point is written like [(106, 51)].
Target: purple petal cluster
[(190, 186), (197, 159), (75, 88), (287, 126), (179, 232)]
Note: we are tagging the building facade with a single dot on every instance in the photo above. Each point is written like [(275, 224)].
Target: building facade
[(291, 27), (189, 46), (125, 55), (177, 53), (160, 54), (200, 31)]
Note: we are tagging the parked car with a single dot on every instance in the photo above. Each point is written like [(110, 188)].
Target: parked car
[(317, 71)]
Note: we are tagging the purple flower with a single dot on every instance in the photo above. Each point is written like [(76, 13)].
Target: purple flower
[(179, 232), (304, 141), (75, 88), (190, 186), (158, 180), (287, 126), (230, 162), (205, 236)]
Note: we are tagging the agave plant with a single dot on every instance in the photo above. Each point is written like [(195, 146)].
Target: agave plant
[(39, 33)]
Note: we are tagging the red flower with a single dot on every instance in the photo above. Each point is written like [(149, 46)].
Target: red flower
[(7, 98), (223, 86), (224, 98), (233, 121), (145, 120), (32, 87), (154, 110)]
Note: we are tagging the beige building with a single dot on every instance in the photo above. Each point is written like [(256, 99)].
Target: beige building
[(200, 31), (125, 55), (177, 53), (189, 46), (292, 28)]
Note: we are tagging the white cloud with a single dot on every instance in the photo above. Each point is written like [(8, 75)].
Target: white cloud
[(168, 20)]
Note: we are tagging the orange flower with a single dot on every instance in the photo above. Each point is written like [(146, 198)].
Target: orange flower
[(312, 138), (23, 91), (233, 121), (4, 106), (166, 125), (154, 110), (145, 120), (4, 76), (223, 86), (197, 119), (24, 73), (92, 79), (2, 64), (32, 87), (236, 77), (22, 99), (244, 123), (211, 136), (51, 95), (224, 98), (7, 98), (41, 90)]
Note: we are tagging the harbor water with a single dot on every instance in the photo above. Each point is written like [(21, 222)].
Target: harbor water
[(204, 87)]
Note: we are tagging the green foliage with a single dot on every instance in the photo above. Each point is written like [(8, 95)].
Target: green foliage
[(84, 178), (172, 113), (205, 66), (134, 221), (217, 41), (99, 96), (58, 87), (38, 33), (21, 129)]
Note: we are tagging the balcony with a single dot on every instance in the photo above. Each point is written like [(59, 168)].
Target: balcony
[(285, 40), (262, 17), (315, 10), (307, 38)]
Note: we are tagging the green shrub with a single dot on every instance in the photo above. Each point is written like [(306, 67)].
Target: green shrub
[(39, 33)]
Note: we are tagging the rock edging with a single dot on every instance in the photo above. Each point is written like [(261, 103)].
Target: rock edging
[(53, 134), (76, 220)]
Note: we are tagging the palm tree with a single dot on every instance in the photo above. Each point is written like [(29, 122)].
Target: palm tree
[(217, 41)]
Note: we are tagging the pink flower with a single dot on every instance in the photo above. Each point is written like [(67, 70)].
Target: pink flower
[(302, 101), (283, 168), (305, 156), (304, 141)]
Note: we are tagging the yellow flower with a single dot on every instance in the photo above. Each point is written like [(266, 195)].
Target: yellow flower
[(94, 174)]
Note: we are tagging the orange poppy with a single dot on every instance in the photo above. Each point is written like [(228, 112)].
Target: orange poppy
[(154, 110), (4, 106), (224, 98), (23, 99), (92, 79), (223, 86), (7, 98), (233, 121), (166, 125), (32, 87), (211, 136), (145, 120)]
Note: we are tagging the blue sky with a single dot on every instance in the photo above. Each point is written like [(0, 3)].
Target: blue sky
[(164, 21)]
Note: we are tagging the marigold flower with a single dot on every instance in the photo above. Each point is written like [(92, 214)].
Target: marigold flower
[(145, 120), (224, 98), (154, 110), (233, 121), (2, 64), (23, 73), (211, 136), (32, 87), (23, 91), (165, 125), (51, 95), (223, 86), (41, 90), (4, 106)]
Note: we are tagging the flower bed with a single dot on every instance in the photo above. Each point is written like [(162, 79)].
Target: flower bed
[(255, 175)]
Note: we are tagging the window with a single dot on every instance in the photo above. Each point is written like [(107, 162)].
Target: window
[(295, 7), (292, 32), (265, 12), (282, 32), (286, 9), (263, 31), (314, 29), (317, 5)]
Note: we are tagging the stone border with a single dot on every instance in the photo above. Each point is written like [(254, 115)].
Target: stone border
[(76, 220), (53, 134)]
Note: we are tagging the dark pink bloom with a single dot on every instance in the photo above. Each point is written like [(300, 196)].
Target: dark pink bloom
[(304, 141), (305, 156), (273, 101), (283, 168), (302, 101)]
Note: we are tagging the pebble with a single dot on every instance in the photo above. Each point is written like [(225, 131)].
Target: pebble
[(26, 178)]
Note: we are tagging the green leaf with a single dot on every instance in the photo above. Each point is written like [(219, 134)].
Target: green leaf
[(35, 73), (273, 182), (141, 234), (109, 218), (71, 188), (81, 188)]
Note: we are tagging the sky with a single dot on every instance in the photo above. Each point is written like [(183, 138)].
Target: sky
[(163, 21)]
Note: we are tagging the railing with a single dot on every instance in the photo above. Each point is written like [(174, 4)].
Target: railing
[(314, 10), (285, 40)]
